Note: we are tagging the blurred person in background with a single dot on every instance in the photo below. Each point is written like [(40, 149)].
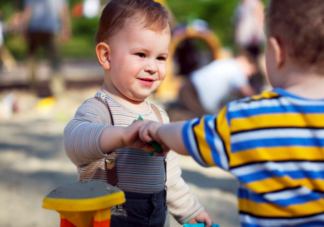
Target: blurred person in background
[(43, 20), (249, 32), (7, 60), (211, 86)]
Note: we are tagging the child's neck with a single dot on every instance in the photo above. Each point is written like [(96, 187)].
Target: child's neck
[(138, 106), (306, 84)]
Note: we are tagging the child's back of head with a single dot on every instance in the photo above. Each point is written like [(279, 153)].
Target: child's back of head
[(299, 26)]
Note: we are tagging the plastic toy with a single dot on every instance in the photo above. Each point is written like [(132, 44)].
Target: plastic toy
[(84, 204), (157, 147)]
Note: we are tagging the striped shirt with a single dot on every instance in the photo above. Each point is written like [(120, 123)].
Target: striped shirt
[(136, 170), (274, 144)]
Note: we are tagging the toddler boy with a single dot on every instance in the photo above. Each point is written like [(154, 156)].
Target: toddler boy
[(102, 141)]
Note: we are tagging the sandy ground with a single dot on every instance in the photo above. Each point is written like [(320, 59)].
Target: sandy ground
[(33, 162)]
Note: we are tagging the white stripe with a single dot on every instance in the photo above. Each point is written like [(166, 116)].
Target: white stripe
[(244, 218), (219, 145), (193, 145), (283, 101), (301, 102), (254, 105), (287, 194), (277, 133), (282, 167)]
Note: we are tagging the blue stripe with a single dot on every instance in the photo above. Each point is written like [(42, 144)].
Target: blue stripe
[(255, 225), (245, 194), (210, 140), (287, 109), (185, 136), (187, 129), (277, 142), (251, 225), (309, 224), (296, 175)]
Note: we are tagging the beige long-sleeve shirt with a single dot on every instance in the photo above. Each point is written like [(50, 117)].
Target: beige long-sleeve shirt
[(136, 170)]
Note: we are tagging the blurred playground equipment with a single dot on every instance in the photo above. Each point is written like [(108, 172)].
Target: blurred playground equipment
[(192, 29), (84, 204)]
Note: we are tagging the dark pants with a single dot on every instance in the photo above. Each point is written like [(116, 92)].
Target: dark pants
[(145, 210), (47, 41)]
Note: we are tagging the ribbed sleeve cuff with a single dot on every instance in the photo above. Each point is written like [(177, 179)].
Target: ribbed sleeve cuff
[(192, 215)]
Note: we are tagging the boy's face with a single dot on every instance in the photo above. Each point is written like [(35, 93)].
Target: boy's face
[(138, 60)]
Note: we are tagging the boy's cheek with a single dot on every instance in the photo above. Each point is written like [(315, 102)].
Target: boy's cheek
[(162, 73)]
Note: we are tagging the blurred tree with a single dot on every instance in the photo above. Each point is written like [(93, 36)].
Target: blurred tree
[(218, 13)]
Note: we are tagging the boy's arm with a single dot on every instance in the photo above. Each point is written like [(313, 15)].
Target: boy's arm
[(206, 139), (89, 137), (169, 135), (122, 137)]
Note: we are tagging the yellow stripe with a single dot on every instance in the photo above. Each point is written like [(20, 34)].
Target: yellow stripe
[(279, 183), (277, 154), (202, 143), (271, 210), (277, 120), (224, 131), (264, 95)]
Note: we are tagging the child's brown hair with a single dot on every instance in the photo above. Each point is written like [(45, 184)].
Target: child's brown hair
[(299, 25), (116, 12)]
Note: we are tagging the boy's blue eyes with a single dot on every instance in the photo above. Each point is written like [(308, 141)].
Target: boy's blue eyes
[(141, 55)]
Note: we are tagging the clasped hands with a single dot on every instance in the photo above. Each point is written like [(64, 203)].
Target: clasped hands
[(139, 135)]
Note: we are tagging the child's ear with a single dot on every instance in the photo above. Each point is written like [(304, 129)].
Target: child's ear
[(103, 55), (278, 51)]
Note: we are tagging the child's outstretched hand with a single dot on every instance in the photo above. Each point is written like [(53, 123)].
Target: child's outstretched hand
[(203, 217), (130, 137), (148, 133)]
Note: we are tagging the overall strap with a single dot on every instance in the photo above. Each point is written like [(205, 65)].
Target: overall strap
[(159, 116), (110, 162), (157, 112)]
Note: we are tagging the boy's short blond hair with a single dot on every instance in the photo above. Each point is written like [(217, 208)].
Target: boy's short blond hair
[(114, 15), (299, 25)]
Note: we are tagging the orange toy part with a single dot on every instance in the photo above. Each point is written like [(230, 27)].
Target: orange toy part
[(66, 223)]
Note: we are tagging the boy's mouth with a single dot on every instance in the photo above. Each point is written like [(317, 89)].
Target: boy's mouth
[(146, 81)]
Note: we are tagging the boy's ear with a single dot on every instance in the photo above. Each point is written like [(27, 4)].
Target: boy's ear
[(278, 51), (103, 55)]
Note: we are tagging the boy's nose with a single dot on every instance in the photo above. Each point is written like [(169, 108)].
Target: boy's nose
[(151, 68)]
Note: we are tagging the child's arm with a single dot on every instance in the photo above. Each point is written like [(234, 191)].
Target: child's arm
[(169, 135), (122, 137), (89, 137)]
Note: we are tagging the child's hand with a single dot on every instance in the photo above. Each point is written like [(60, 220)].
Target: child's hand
[(131, 137), (203, 217), (148, 133)]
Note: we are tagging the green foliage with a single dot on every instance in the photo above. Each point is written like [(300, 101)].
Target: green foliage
[(17, 46), (218, 14)]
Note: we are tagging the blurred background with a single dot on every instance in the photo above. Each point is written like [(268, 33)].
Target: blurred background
[(48, 68)]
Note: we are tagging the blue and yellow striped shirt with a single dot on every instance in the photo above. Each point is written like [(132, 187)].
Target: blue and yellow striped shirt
[(274, 144)]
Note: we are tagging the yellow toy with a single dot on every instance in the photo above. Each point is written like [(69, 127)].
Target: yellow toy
[(84, 204)]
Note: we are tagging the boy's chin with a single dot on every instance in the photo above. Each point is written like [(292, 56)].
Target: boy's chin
[(140, 97)]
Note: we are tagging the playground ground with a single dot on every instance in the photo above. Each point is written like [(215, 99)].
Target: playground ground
[(33, 162)]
